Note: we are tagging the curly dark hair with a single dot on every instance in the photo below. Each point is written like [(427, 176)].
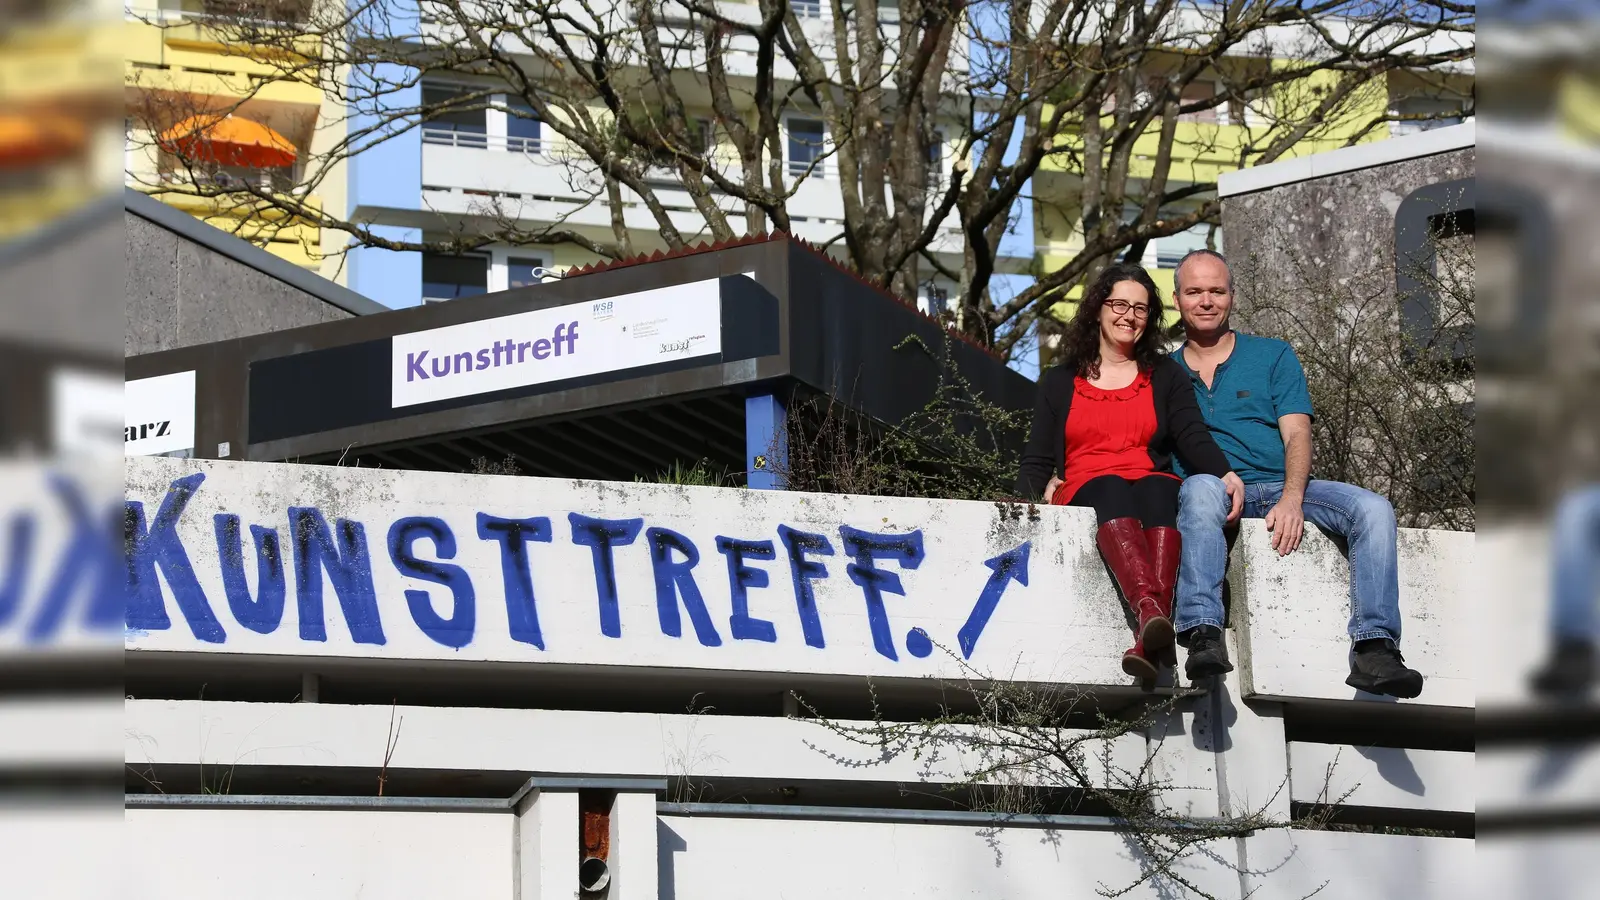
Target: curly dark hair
[(1080, 341)]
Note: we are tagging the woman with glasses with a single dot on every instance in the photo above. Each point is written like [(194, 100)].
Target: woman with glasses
[(1107, 421)]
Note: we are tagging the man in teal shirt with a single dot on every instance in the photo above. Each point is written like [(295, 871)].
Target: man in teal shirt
[(1253, 394)]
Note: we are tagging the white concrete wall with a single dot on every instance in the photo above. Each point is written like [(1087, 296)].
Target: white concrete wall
[(1293, 612), (1225, 753), (708, 858), (1054, 617), (709, 748), (1051, 613), (277, 854)]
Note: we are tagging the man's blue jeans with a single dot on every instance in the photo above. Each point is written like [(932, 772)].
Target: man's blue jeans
[(1364, 519), (1575, 558)]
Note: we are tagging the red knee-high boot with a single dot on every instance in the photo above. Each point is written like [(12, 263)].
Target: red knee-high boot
[(1122, 543), (1166, 548)]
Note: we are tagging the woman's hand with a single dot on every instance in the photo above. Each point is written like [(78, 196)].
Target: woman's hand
[(1050, 489)]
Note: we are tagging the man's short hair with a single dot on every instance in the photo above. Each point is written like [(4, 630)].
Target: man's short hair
[(1203, 251)]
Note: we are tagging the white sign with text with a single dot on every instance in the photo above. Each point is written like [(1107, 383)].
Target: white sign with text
[(158, 415), (625, 332)]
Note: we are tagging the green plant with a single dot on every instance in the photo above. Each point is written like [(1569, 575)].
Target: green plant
[(956, 446), (700, 474)]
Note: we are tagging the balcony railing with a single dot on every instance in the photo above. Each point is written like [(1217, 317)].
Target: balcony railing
[(214, 19), (279, 181), (449, 137)]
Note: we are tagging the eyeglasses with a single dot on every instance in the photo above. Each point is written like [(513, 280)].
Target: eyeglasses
[(1121, 308)]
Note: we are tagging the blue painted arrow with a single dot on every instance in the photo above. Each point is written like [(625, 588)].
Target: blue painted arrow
[(1009, 566)]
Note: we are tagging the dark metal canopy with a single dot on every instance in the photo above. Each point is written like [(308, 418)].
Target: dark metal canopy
[(792, 323)]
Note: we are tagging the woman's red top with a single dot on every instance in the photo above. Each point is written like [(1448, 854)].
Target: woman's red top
[(1108, 433)]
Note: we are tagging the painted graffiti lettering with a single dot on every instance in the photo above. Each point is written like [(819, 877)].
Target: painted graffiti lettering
[(802, 572), (516, 570), (867, 547), (263, 613), (600, 536), (442, 598), (741, 578), (349, 567), (455, 631), (675, 580), (159, 547)]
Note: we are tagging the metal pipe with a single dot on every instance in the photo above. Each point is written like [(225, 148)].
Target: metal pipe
[(290, 801), (902, 816)]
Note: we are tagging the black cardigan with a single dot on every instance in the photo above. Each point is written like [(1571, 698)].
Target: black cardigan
[(1179, 426)]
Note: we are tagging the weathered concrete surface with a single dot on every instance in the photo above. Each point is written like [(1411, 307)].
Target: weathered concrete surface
[(1293, 611), (180, 293), (1063, 625), (1054, 618), (1343, 223)]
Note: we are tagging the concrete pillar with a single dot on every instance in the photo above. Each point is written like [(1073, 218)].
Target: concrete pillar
[(766, 441), (635, 867), (547, 846)]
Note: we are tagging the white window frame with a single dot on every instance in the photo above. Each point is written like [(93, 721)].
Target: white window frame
[(822, 168), (500, 264)]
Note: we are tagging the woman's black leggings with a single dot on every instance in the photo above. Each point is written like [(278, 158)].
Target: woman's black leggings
[(1153, 499)]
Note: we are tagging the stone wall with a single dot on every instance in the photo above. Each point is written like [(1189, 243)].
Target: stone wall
[(1317, 259)]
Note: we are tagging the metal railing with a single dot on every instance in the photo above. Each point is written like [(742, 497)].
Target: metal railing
[(279, 180), (450, 137), (200, 17)]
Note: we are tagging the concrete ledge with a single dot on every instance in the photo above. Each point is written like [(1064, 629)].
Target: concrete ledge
[(1293, 614), (640, 748), (1347, 159), (379, 566)]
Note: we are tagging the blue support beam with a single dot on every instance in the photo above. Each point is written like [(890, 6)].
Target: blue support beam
[(766, 441)]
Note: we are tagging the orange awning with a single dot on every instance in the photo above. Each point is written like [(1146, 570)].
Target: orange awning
[(228, 141), (25, 140)]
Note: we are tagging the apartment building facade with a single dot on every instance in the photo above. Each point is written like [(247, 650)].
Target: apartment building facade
[(207, 113)]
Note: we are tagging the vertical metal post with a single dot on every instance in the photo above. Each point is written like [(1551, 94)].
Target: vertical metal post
[(766, 440)]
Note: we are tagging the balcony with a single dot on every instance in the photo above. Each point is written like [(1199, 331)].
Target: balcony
[(196, 52)]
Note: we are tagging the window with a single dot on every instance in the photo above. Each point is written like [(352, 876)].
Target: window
[(453, 277), (522, 127), (520, 271), (1198, 92), (805, 146), (705, 132), (1171, 250), (457, 127), (806, 9), (936, 160)]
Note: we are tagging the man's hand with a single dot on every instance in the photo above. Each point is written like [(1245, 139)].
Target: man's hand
[(1287, 522), (1235, 488), (1050, 490)]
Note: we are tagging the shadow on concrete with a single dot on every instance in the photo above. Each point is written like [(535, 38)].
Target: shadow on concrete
[(669, 844), (1396, 767)]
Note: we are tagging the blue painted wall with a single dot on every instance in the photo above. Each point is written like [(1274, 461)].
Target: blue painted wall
[(386, 166)]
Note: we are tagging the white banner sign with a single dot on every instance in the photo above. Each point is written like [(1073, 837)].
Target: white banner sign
[(625, 332), (159, 414), (279, 559)]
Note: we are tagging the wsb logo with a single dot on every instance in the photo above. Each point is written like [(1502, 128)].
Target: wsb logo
[(680, 346), (148, 430)]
